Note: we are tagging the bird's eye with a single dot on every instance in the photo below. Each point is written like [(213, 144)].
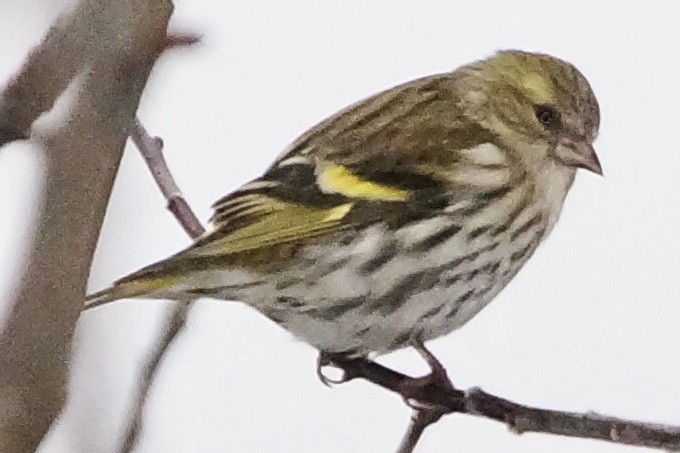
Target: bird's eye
[(547, 115)]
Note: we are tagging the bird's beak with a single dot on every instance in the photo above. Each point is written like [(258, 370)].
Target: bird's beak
[(578, 153)]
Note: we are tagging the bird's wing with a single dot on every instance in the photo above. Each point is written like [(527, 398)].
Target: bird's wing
[(259, 224), (294, 202), (358, 166)]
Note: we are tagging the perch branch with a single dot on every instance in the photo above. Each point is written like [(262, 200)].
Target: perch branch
[(519, 418)]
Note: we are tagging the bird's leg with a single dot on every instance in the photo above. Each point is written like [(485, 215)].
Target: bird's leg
[(438, 374), (414, 391)]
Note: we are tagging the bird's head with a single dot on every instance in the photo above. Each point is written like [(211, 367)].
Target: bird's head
[(538, 104)]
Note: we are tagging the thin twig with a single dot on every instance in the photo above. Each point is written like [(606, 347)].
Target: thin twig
[(151, 149), (176, 40), (519, 418), (420, 420), (176, 322)]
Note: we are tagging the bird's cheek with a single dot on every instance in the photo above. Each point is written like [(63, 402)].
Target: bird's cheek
[(578, 154)]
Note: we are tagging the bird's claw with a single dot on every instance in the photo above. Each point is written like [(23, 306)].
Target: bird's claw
[(326, 360)]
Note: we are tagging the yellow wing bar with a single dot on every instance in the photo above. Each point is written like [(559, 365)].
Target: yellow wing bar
[(338, 179)]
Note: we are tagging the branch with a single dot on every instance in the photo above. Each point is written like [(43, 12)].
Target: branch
[(118, 42), (151, 149), (519, 418), (175, 324), (64, 51), (420, 420)]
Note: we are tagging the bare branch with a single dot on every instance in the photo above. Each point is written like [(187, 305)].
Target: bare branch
[(82, 158), (175, 324), (420, 420), (519, 418), (64, 51), (151, 149)]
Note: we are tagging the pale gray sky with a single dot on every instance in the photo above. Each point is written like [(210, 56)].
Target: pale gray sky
[(590, 323)]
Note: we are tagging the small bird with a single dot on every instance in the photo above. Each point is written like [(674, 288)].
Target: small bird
[(398, 219)]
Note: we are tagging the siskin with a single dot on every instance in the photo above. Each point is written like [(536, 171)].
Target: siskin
[(398, 219)]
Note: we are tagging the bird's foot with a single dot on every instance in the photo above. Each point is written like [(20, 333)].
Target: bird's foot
[(416, 391)]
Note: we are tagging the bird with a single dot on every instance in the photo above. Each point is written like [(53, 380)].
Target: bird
[(396, 220)]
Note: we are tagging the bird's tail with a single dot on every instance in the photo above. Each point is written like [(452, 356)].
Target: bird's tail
[(129, 288), (177, 277)]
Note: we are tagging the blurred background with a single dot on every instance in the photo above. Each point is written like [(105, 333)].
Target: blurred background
[(591, 323)]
